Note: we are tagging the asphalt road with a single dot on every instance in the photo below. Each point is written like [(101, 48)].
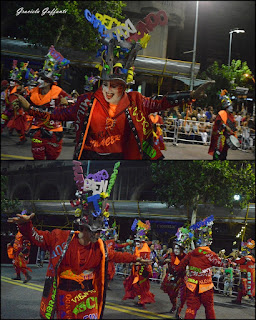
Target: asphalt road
[(182, 151), (22, 301)]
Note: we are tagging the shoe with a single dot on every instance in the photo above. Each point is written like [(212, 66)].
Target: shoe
[(21, 142), (17, 278), (172, 310), (28, 278), (236, 302)]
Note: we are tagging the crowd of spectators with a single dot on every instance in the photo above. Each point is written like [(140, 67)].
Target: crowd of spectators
[(226, 280), (195, 125)]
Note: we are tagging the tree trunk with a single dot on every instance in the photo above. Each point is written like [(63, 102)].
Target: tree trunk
[(59, 32)]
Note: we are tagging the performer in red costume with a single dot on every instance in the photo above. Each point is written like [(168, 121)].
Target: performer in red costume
[(137, 284), (110, 237), (173, 286), (157, 121), (14, 116), (247, 268), (112, 123), (46, 134), (19, 251), (199, 280), (224, 126), (75, 285), (21, 121)]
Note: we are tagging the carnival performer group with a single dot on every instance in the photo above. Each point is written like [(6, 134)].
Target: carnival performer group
[(138, 284), (76, 278), (19, 250), (111, 123)]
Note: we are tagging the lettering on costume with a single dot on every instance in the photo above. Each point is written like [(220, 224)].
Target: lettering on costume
[(81, 111), (214, 260), (91, 316), (138, 114), (37, 236), (57, 251), (81, 296), (100, 175), (43, 306), (105, 142), (52, 301), (96, 187), (89, 303), (68, 306)]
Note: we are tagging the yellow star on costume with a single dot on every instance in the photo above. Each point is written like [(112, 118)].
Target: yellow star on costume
[(104, 195)]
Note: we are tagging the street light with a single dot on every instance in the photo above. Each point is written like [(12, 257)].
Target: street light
[(194, 50), (236, 30)]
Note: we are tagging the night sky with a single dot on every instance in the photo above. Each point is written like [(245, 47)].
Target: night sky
[(215, 20)]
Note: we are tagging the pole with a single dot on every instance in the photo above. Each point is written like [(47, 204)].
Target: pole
[(88, 168), (194, 50), (229, 52)]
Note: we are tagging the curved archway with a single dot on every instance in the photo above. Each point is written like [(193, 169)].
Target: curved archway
[(48, 191), (22, 191), (144, 191)]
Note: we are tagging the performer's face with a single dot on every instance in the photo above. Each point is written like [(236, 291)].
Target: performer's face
[(43, 83), (90, 236), (112, 91), (138, 244), (12, 83), (176, 250)]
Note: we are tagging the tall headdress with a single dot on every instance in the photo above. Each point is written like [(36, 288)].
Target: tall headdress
[(141, 229), (121, 43), (203, 231), (53, 65), (92, 193), (184, 237), (246, 247), (18, 73), (225, 99)]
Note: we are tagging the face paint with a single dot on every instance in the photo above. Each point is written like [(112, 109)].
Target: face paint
[(112, 91), (176, 250), (42, 83), (94, 236), (230, 109), (12, 83)]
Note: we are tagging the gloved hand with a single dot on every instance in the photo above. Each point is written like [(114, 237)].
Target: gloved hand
[(22, 101), (199, 92)]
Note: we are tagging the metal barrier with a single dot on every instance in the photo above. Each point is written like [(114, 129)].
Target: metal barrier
[(189, 131), (218, 282)]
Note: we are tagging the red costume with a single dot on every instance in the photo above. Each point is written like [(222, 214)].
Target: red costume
[(199, 281), (137, 284), (220, 134), (157, 121), (247, 285), (46, 134), (74, 288), (111, 244), (173, 286), (128, 133), (19, 252)]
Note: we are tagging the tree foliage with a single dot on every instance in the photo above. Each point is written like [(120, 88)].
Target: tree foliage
[(190, 183), (69, 30), (226, 78), (7, 205)]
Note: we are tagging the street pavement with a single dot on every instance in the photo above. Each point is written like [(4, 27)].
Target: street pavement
[(22, 301), (182, 151)]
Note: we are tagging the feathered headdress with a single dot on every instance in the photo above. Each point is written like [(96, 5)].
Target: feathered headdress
[(18, 74), (246, 247), (225, 99), (203, 231), (92, 193), (53, 65), (141, 229), (184, 238)]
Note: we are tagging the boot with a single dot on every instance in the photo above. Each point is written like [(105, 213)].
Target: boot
[(17, 277), (28, 278), (236, 301), (21, 142)]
